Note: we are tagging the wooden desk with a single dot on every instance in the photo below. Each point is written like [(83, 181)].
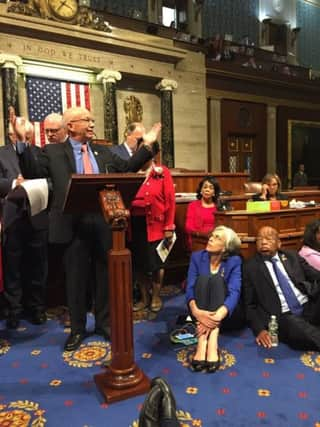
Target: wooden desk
[(290, 224), (187, 181), (238, 201)]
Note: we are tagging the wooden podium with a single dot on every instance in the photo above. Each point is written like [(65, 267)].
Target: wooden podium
[(89, 193)]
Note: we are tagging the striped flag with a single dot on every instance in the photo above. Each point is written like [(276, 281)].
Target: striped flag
[(47, 96)]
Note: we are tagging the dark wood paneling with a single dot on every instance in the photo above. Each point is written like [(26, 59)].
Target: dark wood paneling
[(284, 114), (233, 123)]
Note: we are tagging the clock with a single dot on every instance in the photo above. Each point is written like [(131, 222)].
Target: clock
[(64, 9)]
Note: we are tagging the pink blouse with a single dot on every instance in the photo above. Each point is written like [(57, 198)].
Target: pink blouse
[(311, 256)]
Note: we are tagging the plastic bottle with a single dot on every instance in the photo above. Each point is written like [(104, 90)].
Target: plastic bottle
[(273, 330)]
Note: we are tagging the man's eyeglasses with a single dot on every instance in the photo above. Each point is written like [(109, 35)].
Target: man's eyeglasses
[(83, 120)]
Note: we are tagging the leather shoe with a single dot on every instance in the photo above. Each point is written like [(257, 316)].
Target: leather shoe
[(167, 406), (212, 367), (38, 318), (198, 365), (149, 415), (73, 342), (13, 322)]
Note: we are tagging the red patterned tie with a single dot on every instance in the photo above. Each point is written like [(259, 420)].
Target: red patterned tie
[(87, 166)]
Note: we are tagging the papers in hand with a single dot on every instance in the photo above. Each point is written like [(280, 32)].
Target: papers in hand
[(164, 247), (37, 192)]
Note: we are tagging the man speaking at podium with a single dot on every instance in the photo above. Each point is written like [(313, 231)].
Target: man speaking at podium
[(86, 236)]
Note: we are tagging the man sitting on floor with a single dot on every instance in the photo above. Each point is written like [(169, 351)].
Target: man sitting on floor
[(281, 283)]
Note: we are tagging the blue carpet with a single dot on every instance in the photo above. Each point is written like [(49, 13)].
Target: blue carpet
[(42, 386)]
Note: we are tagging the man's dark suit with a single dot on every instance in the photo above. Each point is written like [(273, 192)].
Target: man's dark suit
[(121, 151), (24, 243), (88, 236), (261, 300)]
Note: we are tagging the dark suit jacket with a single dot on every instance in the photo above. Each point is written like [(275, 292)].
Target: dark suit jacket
[(57, 162), (9, 170), (121, 151), (260, 296)]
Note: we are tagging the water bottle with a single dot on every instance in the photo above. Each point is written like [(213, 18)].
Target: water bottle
[(273, 330)]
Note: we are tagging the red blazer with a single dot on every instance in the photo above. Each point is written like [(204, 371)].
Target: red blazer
[(199, 218), (156, 200)]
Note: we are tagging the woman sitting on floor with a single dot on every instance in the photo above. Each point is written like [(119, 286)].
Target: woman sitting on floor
[(310, 250), (213, 292), (271, 186), (200, 213)]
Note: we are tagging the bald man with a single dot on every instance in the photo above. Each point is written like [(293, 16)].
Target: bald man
[(265, 294), (87, 236), (24, 241), (54, 129)]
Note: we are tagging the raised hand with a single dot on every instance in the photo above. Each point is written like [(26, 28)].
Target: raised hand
[(152, 135), (18, 124)]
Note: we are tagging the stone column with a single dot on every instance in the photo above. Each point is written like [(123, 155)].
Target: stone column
[(9, 74), (194, 13), (166, 88), (214, 161), (109, 79), (271, 138)]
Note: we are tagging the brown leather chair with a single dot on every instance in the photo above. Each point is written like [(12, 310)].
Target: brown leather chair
[(252, 187)]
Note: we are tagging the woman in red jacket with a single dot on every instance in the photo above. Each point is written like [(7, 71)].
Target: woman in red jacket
[(200, 213), (152, 216)]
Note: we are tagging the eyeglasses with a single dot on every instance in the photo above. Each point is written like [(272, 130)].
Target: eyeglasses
[(83, 120), (52, 130)]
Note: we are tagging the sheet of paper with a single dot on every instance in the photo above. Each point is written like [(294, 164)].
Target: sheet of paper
[(164, 250), (37, 192)]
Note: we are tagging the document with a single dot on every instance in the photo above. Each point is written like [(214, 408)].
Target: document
[(37, 192), (164, 247)]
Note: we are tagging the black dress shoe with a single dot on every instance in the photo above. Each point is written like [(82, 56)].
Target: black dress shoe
[(37, 317), (13, 322), (149, 415), (198, 365), (73, 342), (167, 406), (212, 367)]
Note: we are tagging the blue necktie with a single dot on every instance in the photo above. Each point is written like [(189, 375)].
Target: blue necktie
[(292, 301)]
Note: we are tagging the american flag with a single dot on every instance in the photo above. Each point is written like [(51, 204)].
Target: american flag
[(47, 96)]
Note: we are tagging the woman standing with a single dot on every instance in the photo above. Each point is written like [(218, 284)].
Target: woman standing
[(213, 292), (200, 215), (153, 212)]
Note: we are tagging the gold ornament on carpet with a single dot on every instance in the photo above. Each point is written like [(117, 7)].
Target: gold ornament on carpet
[(4, 346), (312, 360), (22, 413), (185, 357), (94, 353)]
